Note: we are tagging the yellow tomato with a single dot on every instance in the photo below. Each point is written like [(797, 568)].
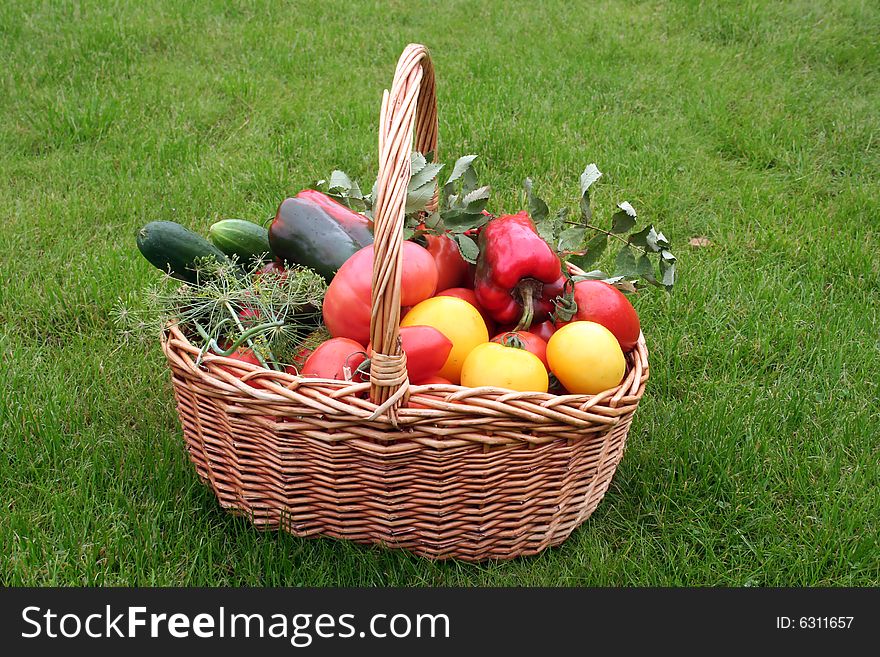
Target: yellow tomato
[(457, 320), (586, 358), (497, 365)]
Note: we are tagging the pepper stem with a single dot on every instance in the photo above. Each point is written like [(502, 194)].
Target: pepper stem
[(528, 291)]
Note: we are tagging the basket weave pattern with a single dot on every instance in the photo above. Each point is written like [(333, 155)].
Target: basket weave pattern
[(441, 470)]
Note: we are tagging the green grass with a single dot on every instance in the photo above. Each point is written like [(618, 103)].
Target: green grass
[(753, 458)]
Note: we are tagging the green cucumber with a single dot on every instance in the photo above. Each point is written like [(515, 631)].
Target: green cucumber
[(175, 249), (244, 239)]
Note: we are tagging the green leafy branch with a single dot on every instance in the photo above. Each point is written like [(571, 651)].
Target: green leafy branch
[(462, 200), (644, 256), (347, 191), (462, 208), (583, 243)]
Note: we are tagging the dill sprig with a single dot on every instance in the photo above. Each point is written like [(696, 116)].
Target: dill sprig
[(231, 307)]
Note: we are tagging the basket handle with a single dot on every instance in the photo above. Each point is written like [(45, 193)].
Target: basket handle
[(411, 104)]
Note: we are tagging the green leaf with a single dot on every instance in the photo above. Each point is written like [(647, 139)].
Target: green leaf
[(562, 214), (590, 175), (641, 238), (595, 248), (468, 248), (373, 193), (547, 231), (457, 220), (626, 207), (644, 267), (469, 181), (586, 210), (434, 222), (475, 201), (339, 180), (462, 165), (370, 200), (537, 207), (625, 262), (623, 220), (464, 173), (417, 199), (426, 175), (571, 238), (667, 256), (417, 162), (667, 274), (594, 275), (662, 243)]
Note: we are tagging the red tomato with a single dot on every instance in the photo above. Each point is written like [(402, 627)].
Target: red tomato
[(332, 358), (452, 269), (604, 304), (347, 301), (543, 330), (529, 341), (468, 295), (426, 351)]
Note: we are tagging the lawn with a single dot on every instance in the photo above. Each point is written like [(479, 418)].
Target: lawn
[(753, 458)]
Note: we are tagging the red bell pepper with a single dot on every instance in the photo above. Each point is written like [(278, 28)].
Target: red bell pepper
[(518, 274)]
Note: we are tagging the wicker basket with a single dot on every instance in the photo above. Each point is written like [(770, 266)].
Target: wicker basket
[(472, 473)]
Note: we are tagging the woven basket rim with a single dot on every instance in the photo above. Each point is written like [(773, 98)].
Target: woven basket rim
[(283, 394)]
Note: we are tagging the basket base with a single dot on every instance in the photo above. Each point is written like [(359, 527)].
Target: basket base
[(478, 505), (483, 475)]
